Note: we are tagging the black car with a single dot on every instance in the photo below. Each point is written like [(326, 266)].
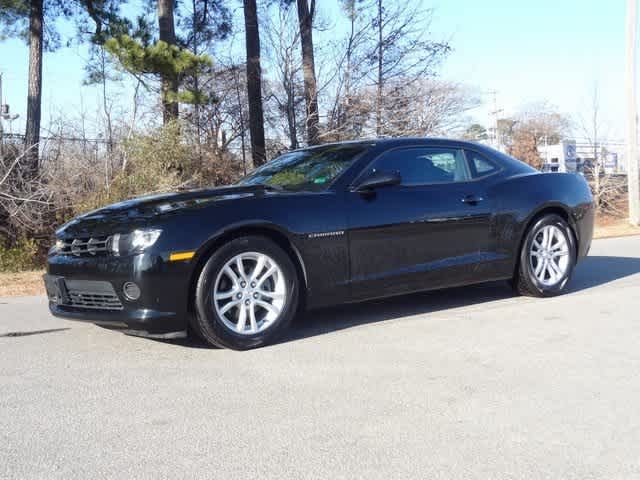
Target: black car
[(336, 223)]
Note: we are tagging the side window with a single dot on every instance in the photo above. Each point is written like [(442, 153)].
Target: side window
[(480, 166), (423, 166)]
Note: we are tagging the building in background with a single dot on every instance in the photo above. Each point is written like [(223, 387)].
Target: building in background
[(561, 157), (572, 156), (610, 155)]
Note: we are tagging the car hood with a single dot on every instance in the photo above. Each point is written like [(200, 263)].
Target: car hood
[(124, 216)]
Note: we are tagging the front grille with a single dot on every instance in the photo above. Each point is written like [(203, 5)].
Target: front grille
[(91, 294), (92, 300), (84, 246)]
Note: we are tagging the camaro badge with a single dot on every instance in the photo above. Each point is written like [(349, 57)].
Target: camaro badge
[(326, 234)]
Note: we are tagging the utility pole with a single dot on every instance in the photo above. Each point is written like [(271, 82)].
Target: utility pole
[(5, 114), (632, 114), (494, 119)]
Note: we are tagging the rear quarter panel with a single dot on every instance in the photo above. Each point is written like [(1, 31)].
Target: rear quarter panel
[(519, 199)]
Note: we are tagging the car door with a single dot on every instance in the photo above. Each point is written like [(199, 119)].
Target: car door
[(429, 231)]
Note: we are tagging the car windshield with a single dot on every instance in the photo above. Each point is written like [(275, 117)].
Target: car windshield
[(311, 169)]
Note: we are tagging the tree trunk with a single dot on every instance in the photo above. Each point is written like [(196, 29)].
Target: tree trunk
[(169, 81), (380, 79), (305, 19), (291, 105), (34, 99), (196, 87), (243, 130), (254, 81)]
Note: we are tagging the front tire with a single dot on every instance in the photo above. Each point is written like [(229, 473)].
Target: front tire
[(246, 295), (547, 258)]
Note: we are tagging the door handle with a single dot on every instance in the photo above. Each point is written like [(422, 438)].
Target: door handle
[(472, 199)]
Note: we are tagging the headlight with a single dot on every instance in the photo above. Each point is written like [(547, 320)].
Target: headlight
[(135, 242), (57, 247)]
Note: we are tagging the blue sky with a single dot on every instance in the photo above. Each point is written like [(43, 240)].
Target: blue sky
[(526, 51)]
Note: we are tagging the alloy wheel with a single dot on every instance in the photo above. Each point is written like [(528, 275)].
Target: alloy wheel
[(549, 255), (249, 293)]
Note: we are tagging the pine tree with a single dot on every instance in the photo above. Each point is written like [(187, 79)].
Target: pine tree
[(166, 60), (254, 80)]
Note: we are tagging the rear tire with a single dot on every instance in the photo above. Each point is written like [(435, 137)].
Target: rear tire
[(246, 295), (547, 258)]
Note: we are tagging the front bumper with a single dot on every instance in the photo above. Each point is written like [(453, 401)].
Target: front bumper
[(91, 289)]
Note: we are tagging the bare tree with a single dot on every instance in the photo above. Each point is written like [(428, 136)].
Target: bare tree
[(403, 51), (536, 124), (591, 129), (475, 132), (284, 94), (25, 199), (223, 121), (380, 63), (429, 107), (349, 111), (204, 24), (607, 189)]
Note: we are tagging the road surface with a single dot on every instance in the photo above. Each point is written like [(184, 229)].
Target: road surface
[(469, 383)]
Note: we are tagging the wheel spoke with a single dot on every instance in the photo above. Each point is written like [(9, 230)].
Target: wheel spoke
[(224, 295), (228, 271), (228, 306), (560, 253), (268, 306), (267, 274), (560, 245), (557, 273), (252, 319), (272, 295), (539, 267), (242, 319), (240, 267), (553, 236), (545, 238), (547, 272), (259, 267)]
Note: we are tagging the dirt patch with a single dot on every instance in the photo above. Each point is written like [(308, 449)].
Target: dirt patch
[(21, 284), (614, 227)]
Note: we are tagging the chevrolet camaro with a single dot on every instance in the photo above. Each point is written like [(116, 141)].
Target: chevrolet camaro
[(331, 224)]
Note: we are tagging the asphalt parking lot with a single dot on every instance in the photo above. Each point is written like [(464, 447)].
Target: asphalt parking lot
[(466, 383)]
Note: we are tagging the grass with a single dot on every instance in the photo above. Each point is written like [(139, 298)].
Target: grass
[(30, 283), (22, 284)]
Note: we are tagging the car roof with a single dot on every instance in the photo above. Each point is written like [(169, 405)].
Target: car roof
[(397, 141)]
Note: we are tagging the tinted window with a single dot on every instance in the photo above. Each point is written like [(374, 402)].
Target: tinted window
[(314, 168), (422, 166), (480, 166)]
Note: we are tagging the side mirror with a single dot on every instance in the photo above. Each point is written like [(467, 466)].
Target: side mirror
[(378, 180)]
